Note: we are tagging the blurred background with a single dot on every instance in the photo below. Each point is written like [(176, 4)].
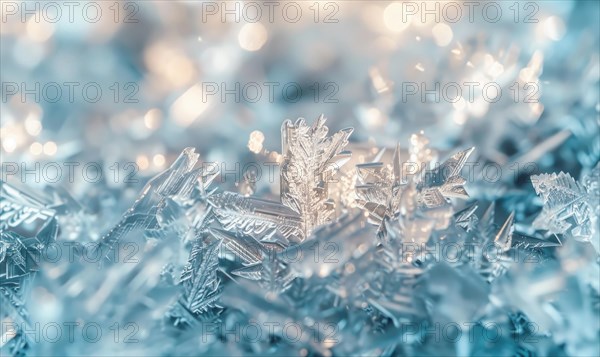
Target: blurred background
[(125, 86)]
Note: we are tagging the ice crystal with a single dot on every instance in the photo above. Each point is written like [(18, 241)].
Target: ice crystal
[(258, 228), (201, 286), (410, 191), (158, 204), (570, 207), (408, 202), (311, 158), (211, 266), (256, 217), (27, 226), (15, 320), (259, 260)]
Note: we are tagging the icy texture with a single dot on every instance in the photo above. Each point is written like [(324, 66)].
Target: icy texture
[(220, 273), (27, 226), (310, 160), (201, 286), (570, 207), (151, 211), (409, 192), (259, 218), (255, 230), (259, 260), (171, 213), (515, 289), (15, 319)]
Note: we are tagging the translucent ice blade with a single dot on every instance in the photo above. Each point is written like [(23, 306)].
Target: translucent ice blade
[(177, 183), (245, 247), (446, 175), (523, 241), (256, 217), (330, 247), (201, 285), (503, 238)]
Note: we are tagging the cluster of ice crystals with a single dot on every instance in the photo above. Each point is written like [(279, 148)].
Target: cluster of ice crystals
[(570, 207), (410, 192), (416, 256)]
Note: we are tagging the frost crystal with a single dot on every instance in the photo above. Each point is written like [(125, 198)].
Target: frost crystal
[(408, 202), (14, 314), (158, 204), (255, 229), (259, 260), (259, 218), (27, 226), (311, 158), (201, 286), (410, 191), (570, 207), (211, 267)]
